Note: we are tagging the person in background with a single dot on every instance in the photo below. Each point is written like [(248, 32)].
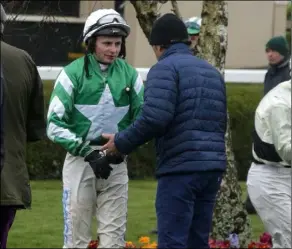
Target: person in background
[(269, 177), (278, 55), (185, 110), (99, 92), (193, 25), (23, 121)]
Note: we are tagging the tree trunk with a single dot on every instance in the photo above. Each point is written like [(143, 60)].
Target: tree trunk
[(230, 215)]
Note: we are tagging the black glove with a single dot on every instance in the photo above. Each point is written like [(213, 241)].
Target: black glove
[(115, 158), (99, 164)]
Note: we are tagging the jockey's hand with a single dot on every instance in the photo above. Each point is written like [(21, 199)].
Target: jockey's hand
[(99, 164)]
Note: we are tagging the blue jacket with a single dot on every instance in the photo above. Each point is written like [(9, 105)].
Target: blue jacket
[(185, 111)]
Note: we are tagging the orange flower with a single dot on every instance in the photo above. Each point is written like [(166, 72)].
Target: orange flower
[(153, 245), (145, 246), (144, 240)]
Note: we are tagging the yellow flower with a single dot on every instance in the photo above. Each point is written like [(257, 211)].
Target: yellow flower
[(153, 245), (144, 240)]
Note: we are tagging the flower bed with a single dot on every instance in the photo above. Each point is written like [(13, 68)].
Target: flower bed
[(265, 241)]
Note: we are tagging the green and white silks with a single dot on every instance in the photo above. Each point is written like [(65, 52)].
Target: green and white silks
[(82, 109)]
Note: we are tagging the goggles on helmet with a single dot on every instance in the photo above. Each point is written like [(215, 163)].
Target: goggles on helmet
[(113, 19), (192, 25)]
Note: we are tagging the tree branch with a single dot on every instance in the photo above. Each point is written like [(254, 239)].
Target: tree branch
[(175, 9), (146, 13)]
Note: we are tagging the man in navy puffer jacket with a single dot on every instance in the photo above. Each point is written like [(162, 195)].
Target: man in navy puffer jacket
[(185, 111)]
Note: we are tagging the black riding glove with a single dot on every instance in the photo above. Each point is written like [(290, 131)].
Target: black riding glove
[(99, 164), (115, 158)]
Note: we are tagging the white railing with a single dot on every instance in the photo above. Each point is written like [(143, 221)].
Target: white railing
[(231, 75)]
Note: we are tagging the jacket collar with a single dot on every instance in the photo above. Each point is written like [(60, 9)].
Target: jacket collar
[(284, 63), (176, 48), (96, 67), (281, 64)]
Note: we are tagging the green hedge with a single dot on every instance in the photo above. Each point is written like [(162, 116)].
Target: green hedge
[(45, 159), (289, 12), (289, 17), (242, 102)]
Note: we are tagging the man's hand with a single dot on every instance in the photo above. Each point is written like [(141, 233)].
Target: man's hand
[(112, 154), (110, 145)]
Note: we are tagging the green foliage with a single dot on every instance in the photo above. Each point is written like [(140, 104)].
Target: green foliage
[(289, 10), (141, 162), (45, 159), (289, 17), (242, 102)]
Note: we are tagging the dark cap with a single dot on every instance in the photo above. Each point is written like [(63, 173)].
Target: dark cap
[(168, 29), (279, 44)]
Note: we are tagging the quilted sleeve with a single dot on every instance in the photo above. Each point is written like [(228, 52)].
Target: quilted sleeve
[(157, 111)]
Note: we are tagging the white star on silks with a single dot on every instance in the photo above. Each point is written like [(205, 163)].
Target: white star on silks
[(104, 116)]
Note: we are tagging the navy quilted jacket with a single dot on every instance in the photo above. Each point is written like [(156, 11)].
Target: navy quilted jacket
[(185, 111)]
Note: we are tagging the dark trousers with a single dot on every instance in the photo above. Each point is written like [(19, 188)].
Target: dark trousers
[(184, 209), (6, 221)]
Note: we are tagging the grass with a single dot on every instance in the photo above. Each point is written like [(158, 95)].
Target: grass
[(42, 226)]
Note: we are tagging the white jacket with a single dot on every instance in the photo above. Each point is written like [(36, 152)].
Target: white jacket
[(272, 135)]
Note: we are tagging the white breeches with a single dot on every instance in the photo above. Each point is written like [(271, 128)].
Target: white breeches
[(85, 196), (269, 188)]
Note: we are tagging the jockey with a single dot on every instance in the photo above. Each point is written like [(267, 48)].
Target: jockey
[(193, 25), (99, 92)]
